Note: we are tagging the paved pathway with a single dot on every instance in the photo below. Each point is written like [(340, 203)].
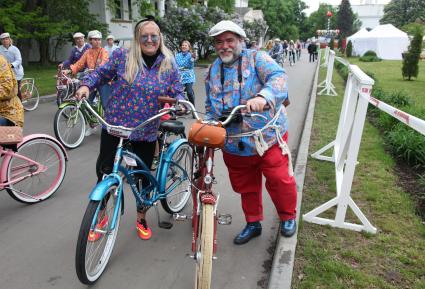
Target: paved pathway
[(37, 243)]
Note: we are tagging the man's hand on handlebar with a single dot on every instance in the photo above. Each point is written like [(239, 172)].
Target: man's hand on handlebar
[(82, 92), (256, 104)]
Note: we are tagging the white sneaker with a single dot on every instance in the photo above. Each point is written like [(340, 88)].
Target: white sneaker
[(90, 130)]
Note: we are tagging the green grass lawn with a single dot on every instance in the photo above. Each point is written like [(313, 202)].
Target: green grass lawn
[(388, 73), (337, 258), (44, 77)]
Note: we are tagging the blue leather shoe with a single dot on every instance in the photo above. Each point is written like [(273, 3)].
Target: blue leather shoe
[(288, 227), (250, 231)]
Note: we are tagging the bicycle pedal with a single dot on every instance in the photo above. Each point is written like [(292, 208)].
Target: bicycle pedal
[(224, 219), (181, 217), (165, 225)]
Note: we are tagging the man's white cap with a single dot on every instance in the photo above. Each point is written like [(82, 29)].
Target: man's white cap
[(4, 35), (78, 34), (110, 36), (277, 39), (224, 26), (95, 34)]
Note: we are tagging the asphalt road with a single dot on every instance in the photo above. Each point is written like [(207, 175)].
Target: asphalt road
[(37, 242)]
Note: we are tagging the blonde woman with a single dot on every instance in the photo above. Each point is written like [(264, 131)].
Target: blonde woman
[(139, 75), (269, 46)]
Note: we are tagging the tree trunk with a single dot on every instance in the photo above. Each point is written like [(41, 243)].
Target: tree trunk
[(24, 46), (44, 51)]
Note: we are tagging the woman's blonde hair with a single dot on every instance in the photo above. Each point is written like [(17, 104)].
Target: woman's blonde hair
[(269, 44), (135, 62)]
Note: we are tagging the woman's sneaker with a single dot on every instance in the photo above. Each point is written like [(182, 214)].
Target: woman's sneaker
[(143, 231), (94, 236)]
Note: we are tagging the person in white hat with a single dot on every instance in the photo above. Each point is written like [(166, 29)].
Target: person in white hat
[(13, 56), (252, 78), (110, 45), (91, 59), (76, 52)]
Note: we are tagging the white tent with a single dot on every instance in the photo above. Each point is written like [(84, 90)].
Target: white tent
[(359, 41), (386, 40)]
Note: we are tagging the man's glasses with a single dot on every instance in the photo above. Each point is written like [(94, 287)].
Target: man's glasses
[(145, 38)]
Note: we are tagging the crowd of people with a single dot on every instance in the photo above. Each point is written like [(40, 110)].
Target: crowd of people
[(134, 78)]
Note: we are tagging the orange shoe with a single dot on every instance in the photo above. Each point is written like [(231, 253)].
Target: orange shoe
[(143, 231), (94, 236)]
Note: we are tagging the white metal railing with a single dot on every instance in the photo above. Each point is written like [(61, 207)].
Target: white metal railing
[(345, 151), (328, 87), (325, 60)]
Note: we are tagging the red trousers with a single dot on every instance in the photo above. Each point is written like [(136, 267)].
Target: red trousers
[(245, 174)]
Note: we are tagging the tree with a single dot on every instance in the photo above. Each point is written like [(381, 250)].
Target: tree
[(40, 20), (284, 17), (345, 19), (349, 49), (410, 66), (402, 12), (193, 24), (255, 29), (227, 5), (319, 21)]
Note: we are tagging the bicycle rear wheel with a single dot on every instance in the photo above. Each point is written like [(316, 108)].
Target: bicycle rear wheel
[(41, 178), (69, 126), (92, 255), (204, 252), (178, 180), (30, 96)]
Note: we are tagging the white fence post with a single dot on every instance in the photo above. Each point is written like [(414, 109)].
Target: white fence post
[(346, 147), (325, 61), (327, 85)]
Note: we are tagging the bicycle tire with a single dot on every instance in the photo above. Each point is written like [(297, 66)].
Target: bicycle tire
[(30, 96), (34, 188), (177, 197), (85, 274), (204, 253), (70, 126)]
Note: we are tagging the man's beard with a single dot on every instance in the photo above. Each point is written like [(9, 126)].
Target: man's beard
[(231, 58)]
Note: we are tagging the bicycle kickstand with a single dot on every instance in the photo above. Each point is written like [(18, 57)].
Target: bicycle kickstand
[(163, 224)]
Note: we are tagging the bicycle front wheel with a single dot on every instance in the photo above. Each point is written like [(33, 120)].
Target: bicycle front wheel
[(96, 239), (178, 184), (204, 252), (41, 166), (30, 96), (69, 126)]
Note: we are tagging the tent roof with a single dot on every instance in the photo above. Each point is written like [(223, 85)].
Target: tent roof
[(387, 30), (361, 33)]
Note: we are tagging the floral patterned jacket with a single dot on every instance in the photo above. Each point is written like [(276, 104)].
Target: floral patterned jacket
[(260, 75), (132, 103)]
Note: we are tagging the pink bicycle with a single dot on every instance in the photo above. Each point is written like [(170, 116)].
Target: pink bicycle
[(35, 170)]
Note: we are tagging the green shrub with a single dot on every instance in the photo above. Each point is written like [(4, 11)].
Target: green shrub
[(370, 53), (410, 66), (368, 58), (349, 49)]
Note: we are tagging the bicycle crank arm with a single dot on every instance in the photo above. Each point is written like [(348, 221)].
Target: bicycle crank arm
[(181, 217), (224, 219)]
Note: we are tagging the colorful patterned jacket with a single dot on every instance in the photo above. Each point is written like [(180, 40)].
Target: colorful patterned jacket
[(91, 59), (186, 62), (131, 104), (75, 55), (261, 75)]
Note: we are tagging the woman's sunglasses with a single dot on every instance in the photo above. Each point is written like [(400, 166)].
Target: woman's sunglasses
[(145, 38)]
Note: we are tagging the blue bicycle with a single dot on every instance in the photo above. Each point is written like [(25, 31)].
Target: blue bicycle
[(170, 185)]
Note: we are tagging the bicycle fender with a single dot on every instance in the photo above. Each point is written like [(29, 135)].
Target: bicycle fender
[(99, 191), (65, 104), (166, 163), (45, 136)]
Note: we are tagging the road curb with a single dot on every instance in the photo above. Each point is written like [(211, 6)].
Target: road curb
[(284, 255), (47, 98)]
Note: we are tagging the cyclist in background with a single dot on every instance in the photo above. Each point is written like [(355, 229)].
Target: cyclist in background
[(76, 52), (262, 149), (13, 56), (185, 60), (110, 45)]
